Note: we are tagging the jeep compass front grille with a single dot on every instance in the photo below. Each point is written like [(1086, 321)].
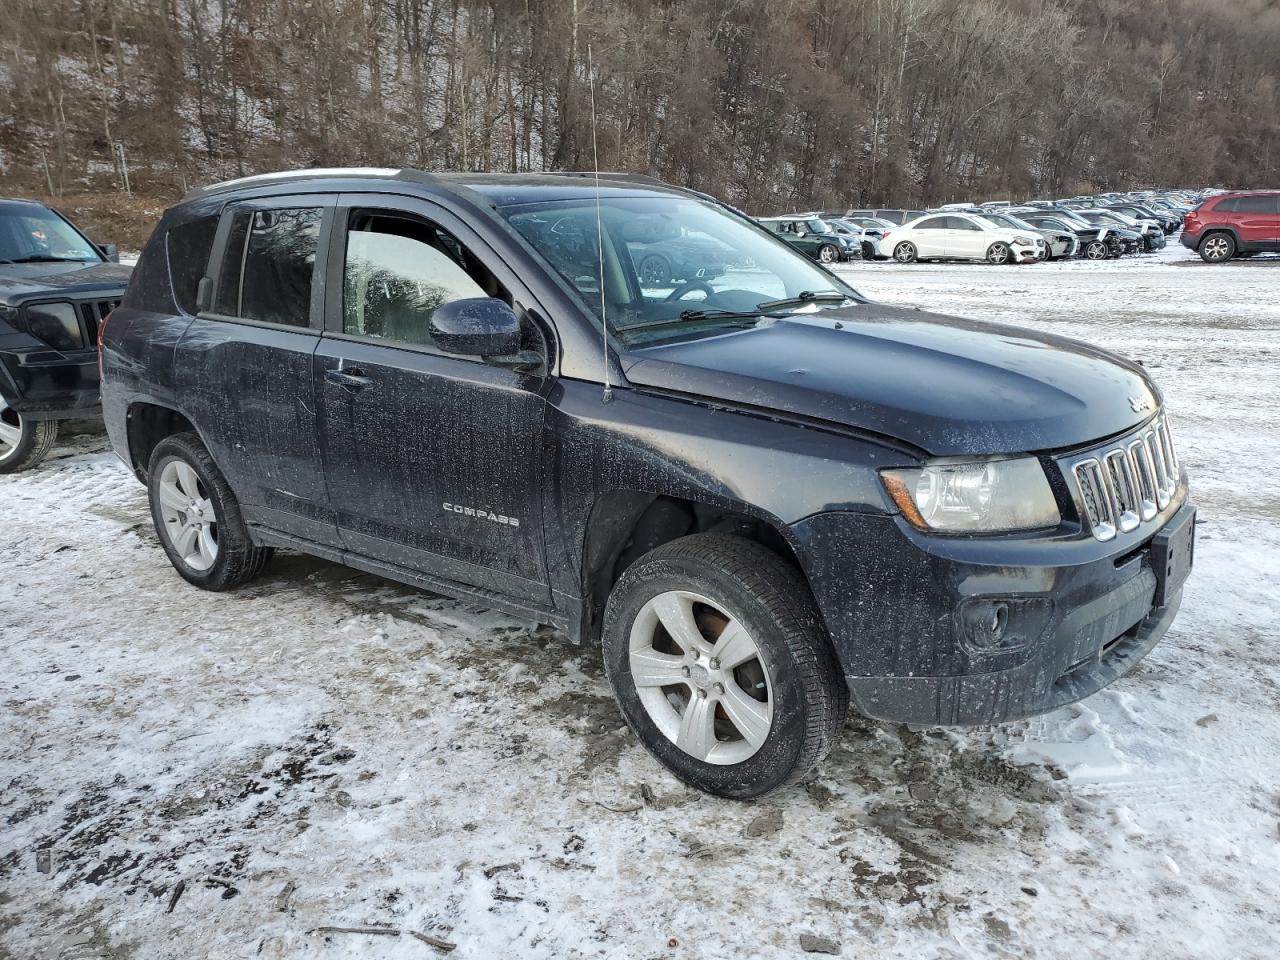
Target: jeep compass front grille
[(1126, 485)]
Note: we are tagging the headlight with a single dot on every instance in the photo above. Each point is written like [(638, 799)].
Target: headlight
[(1023, 240), (990, 497), (10, 316)]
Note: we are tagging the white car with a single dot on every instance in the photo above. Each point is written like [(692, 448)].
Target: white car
[(961, 236)]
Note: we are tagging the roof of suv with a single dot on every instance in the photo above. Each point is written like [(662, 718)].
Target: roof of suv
[(498, 188)]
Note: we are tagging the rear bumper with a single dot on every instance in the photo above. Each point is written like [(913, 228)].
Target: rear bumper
[(50, 385), (1080, 616), (1190, 240)]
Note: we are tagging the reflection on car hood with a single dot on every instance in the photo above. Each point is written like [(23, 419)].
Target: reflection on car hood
[(945, 385), (26, 281)]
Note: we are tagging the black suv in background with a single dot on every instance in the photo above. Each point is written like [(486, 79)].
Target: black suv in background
[(761, 494), (55, 288)]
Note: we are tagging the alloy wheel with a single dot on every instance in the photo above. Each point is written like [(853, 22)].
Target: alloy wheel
[(1217, 248), (904, 253), (10, 430), (999, 253), (190, 521), (827, 253), (699, 676), (1097, 250), (654, 271)]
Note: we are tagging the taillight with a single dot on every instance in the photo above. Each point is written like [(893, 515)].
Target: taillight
[(102, 329)]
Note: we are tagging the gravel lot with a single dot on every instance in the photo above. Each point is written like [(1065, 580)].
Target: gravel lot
[(222, 776)]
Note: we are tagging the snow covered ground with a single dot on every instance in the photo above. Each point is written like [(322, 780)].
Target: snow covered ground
[(192, 775)]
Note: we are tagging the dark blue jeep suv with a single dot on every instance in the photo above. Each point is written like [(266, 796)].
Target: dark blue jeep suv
[(763, 495)]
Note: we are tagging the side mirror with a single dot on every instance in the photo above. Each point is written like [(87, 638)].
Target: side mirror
[(478, 327), (110, 251)]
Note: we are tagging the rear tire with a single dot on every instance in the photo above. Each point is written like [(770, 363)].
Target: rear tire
[(1217, 248), (197, 517), (741, 726), (905, 252), (23, 442)]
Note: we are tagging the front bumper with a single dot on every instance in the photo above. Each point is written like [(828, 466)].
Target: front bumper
[(50, 384), (1085, 613)]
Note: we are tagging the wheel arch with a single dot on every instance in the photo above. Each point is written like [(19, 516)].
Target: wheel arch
[(624, 525), (146, 425), (1209, 231)]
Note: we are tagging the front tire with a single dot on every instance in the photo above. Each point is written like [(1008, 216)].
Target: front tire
[(23, 442), (828, 254), (1217, 248), (1097, 250), (905, 252), (197, 517), (999, 253), (720, 664)]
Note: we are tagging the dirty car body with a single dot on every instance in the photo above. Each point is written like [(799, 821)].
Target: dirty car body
[(531, 481)]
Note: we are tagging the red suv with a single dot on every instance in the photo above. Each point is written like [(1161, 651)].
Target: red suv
[(1234, 225)]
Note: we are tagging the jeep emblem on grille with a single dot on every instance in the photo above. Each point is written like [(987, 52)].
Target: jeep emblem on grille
[(1139, 404)]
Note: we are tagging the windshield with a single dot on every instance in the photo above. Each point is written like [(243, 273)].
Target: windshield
[(665, 257), (32, 234)]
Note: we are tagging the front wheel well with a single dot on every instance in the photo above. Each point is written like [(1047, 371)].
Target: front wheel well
[(625, 525), (148, 424)]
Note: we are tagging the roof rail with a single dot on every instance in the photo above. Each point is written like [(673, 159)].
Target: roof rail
[(607, 175), (294, 176)]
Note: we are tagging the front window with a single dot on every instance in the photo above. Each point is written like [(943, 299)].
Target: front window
[(32, 234), (398, 271), (671, 265)]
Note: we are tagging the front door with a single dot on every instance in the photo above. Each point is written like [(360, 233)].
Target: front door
[(435, 462), (965, 239)]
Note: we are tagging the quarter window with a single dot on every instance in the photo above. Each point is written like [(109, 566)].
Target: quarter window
[(399, 270), (269, 265)]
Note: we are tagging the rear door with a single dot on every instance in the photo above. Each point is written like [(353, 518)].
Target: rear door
[(244, 365), (435, 462), (1258, 220), (930, 237)]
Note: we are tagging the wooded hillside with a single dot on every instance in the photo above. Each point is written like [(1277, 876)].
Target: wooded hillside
[(767, 103)]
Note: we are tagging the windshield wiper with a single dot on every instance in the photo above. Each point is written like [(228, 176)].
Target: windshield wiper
[(804, 297), (692, 316), (43, 258)]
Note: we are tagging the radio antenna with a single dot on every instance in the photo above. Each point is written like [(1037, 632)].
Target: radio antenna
[(595, 164)]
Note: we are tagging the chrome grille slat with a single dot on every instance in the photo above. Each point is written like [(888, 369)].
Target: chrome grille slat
[(1127, 484)]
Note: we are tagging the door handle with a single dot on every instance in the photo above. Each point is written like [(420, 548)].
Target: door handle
[(349, 379)]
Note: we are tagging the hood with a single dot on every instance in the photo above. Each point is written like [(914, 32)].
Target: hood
[(32, 281), (946, 386)]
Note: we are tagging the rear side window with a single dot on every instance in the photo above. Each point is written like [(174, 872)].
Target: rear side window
[(189, 247), (1230, 205), (268, 266), (933, 223), (1258, 204)]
